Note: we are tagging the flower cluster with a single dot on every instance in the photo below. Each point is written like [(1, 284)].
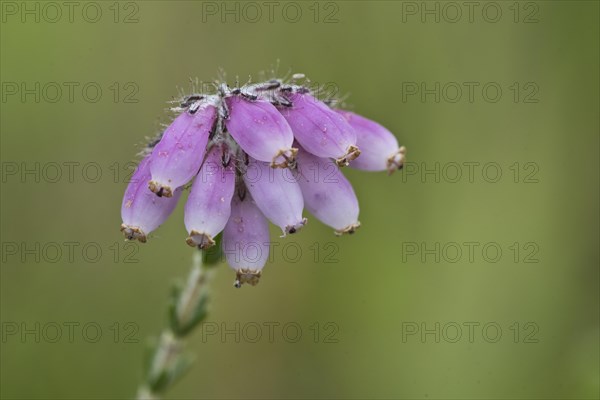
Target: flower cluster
[(256, 153)]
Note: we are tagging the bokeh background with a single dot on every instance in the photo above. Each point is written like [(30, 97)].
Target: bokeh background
[(542, 135)]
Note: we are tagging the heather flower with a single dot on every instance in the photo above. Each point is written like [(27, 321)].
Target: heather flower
[(209, 204), (142, 211), (260, 130), (276, 194), (328, 196), (178, 155), (246, 239), (320, 130), (258, 153), (379, 147)]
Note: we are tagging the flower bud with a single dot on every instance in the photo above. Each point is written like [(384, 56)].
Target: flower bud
[(260, 130), (209, 204), (142, 211), (178, 155), (328, 195), (246, 240), (320, 130), (379, 147), (276, 194)]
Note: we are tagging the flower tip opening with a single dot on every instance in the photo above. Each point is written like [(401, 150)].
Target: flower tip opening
[(396, 161), (349, 230), (291, 229), (200, 240), (133, 233), (248, 276), (160, 190), (351, 154), (285, 158)]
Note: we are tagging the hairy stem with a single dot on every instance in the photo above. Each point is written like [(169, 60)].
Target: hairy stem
[(167, 362)]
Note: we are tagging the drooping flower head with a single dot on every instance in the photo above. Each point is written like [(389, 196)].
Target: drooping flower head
[(256, 153)]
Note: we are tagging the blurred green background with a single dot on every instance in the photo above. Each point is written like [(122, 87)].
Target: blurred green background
[(377, 291)]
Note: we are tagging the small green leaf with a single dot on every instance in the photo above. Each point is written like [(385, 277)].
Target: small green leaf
[(149, 352), (181, 366), (214, 255), (159, 383), (200, 312)]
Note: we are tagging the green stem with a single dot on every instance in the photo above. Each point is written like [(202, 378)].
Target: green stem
[(167, 362)]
